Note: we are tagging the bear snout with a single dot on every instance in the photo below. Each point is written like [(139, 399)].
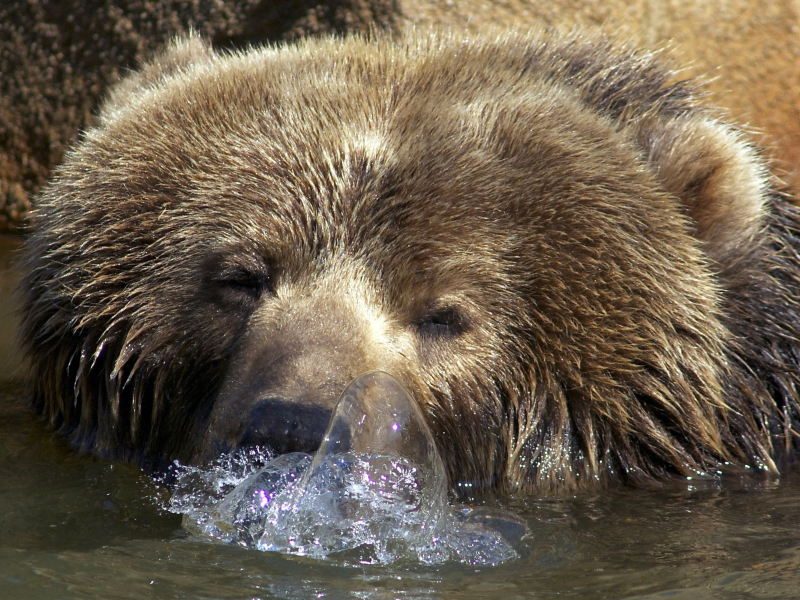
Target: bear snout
[(286, 425), (286, 372)]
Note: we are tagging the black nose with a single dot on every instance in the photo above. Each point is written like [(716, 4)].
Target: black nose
[(286, 426)]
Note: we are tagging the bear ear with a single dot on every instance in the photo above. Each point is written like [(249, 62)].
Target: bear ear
[(722, 183), (181, 53)]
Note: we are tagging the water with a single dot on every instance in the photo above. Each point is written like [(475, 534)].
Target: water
[(75, 527), (375, 491)]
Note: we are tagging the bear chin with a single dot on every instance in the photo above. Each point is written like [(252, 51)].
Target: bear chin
[(581, 273)]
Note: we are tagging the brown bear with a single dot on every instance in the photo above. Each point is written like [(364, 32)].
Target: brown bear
[(581, 274)]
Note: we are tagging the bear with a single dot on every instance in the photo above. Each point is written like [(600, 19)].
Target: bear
[(582, 274)]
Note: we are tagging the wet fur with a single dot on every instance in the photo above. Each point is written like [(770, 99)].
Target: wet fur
[(621, 276)]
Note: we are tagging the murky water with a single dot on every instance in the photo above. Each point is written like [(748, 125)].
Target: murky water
[(75, 527)]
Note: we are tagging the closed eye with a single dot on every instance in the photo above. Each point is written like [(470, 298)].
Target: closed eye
[(237, 279), (448, 321), (243, 281)]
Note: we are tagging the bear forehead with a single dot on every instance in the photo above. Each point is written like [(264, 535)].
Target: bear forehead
[(308, 124), (346, 139)]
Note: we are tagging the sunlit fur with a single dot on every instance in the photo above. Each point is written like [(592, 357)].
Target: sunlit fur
[(626, 279)]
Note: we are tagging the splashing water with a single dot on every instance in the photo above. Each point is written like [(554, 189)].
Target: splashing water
[(376, 487)]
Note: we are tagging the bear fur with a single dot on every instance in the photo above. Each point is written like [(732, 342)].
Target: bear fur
[(581, 274)]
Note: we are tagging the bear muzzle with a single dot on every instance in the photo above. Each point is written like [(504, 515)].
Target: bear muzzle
[(276, 400), (286, 374)]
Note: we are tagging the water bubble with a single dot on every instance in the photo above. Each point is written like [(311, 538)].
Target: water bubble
[(376, 487), (377, 479)]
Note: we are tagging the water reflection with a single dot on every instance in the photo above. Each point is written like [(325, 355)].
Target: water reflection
[(9, 356)]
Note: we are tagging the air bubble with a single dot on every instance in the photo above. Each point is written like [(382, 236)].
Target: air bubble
[(376, 487)]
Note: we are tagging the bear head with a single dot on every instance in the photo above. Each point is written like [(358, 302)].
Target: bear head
[(540, 236)]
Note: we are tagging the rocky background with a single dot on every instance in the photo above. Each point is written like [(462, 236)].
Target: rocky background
[(57, 57)]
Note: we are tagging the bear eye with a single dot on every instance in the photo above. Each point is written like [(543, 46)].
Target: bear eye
[(448, 321), (237, 280)]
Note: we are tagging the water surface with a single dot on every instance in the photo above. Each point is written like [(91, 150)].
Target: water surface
[(75, 527)]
